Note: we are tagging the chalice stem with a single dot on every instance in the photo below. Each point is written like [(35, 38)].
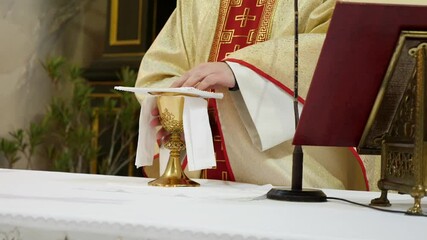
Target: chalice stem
[(173, 168)]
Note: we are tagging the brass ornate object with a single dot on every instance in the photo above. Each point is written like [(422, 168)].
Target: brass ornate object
[(171, 108), (397, 126)]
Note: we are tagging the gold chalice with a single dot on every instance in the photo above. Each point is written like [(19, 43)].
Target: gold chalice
[(171, 106)]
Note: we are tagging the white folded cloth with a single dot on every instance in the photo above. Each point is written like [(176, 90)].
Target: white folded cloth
[(147, 135), (185, 90), (198, 134)]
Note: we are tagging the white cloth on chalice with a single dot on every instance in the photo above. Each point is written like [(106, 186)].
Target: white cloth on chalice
[(197, 131)]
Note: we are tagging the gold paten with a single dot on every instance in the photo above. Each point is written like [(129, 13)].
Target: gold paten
[(396, 127), (171, 108)]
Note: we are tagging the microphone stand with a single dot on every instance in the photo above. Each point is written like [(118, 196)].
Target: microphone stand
[(296, 193)]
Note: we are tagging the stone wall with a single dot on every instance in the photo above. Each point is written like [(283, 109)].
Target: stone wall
[(32, 30)]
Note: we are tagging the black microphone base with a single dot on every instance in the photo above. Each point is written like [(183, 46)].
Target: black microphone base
[(303, 195)]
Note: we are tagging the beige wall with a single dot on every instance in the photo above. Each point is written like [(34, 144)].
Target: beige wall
[(31, 30)]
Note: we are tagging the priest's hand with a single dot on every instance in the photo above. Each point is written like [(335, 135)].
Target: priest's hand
[(206, 76)]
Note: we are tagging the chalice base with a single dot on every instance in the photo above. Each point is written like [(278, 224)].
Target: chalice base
[(173, 181), (173, 176)]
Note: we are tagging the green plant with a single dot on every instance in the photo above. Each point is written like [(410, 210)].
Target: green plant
[(29, 140), (9, 149), (66, 131), (120, 128), (68, 118), (23, 142)]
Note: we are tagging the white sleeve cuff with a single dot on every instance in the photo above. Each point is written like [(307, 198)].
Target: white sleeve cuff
[(270, 108)]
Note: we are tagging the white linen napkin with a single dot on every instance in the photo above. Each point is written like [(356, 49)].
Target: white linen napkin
[(197, 134), (146, 134)]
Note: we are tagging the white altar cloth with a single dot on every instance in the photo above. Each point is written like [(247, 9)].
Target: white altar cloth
[(52, 205)]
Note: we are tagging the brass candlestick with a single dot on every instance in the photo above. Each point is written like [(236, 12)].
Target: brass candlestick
[(171, 108)]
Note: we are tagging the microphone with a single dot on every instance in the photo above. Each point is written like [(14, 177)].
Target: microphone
[(296, 193)]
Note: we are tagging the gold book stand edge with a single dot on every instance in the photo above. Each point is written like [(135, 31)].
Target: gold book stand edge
[(397, 125)]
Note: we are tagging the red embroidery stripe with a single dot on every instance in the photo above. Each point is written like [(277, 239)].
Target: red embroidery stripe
[(266, 76)]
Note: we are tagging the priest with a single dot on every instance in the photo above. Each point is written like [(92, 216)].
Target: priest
[(244, 49)]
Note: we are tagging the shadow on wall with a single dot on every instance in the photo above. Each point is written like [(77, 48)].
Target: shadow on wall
[(33, 30)]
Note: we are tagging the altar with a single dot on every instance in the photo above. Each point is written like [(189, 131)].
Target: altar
[(53, 205)]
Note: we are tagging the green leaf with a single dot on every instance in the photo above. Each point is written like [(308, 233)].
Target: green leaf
[(10, 149), (54, 67)]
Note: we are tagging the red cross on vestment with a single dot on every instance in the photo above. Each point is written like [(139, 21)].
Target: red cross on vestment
[(240, 23)]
